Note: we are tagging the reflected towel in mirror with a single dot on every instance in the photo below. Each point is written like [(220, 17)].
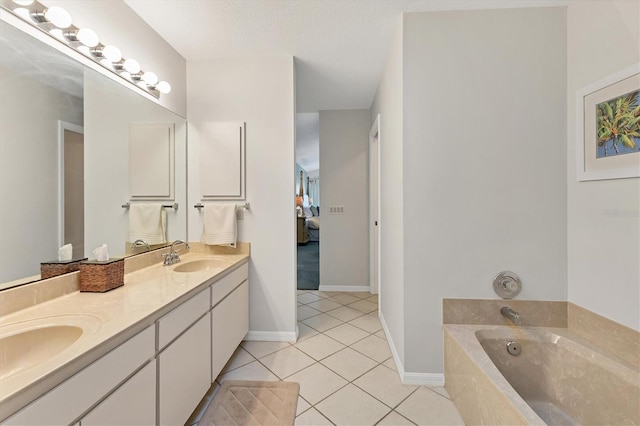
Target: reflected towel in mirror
[(147, 221), (219, 226)]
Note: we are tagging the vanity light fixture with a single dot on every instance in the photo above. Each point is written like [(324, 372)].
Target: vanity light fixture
[(57, 22), (55, 15), (85, 36)]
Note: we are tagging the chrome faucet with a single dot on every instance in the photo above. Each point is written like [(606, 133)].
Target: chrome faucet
[(173, 257), (138, 243), (510, 314)]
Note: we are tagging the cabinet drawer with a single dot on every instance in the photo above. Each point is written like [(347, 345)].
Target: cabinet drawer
[(225, 285), (230, 323), (74, 396), (178, 320)]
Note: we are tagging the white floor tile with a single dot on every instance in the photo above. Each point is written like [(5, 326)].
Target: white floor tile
[(385, 385), (349, 363), (359, 294), (312, 418), (390, 363), (439, 390), (346, 334), (367, 323), (364, 306), (317, 382), (373, 299), (344, 298), (322, 322), (381, 334), (287, 361), (260, 349), (304, 332), (239, 358), (351, 406), (425, 407), (308, 298), (324, 305), (373, 347), (306, 311), (345, 313), (252, 371), (319, 346), (302, 406), (395, 419)]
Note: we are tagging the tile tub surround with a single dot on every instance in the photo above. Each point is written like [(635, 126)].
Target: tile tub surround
[(610, 392), (487, 311), (148, 294)]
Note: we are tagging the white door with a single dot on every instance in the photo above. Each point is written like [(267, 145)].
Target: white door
[(374, 206)]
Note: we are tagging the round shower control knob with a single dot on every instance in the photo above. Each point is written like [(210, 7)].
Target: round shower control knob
[(507, 284)]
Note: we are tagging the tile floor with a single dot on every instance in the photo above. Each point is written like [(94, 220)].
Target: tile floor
[(344, 366)]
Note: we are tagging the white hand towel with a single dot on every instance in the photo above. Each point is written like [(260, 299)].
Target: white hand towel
[(147, 222), (219, 226)]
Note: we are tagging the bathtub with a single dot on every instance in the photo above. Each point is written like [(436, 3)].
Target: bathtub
[(557, 379)]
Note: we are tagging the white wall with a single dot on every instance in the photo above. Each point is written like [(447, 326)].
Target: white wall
[(29, 171), (259, 92), (117, 24), (344, 248), (604, 276), (109, 109), (388, 102), (483, 176)]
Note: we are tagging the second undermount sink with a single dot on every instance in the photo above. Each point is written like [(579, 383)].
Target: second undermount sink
[(201, 265), (30, 343)]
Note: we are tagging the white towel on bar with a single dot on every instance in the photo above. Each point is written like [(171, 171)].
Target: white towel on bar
[(147, 222), (219, 226)]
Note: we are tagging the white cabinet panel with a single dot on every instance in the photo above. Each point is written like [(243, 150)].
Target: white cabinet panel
[(184, 373), (133, 403), (225, 285), (222, 160), (176, 321), (69, 400), (151, 161), (230, 323)]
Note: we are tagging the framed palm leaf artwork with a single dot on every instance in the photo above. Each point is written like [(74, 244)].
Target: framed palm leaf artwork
[(608, 127)]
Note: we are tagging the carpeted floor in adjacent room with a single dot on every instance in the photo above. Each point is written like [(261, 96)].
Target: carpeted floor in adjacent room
[(309, 266)]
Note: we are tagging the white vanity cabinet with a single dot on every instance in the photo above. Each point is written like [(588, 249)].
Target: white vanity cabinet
[(230, 316), (72, 398), (184, 364), (133, 403)]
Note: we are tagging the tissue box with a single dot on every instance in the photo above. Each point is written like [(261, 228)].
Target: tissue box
[(54, 268), (101, 276)]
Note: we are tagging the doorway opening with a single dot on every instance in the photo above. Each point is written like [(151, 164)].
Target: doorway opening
[(71, 187)]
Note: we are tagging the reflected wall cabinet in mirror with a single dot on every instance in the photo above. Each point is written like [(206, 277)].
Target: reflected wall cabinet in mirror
[(151, 161)]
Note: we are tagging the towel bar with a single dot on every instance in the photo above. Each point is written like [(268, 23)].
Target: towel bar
[(246, 206), (165, 206)]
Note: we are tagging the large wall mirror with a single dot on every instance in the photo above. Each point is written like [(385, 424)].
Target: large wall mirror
[(66, 126)]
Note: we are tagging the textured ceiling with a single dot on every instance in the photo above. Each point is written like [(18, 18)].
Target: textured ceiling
[(340, 46)]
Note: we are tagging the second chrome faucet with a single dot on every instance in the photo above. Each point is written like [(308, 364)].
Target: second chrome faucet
[(510, 314), (172, 257)]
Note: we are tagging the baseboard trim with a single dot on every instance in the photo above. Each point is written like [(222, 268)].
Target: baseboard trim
[(423, 379), (272, 336), (408, 378), (345, 288)]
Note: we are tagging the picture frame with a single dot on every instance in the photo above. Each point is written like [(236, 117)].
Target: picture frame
[(607, 147)]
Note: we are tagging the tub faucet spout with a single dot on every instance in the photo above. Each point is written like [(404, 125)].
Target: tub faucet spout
[(510, 314)]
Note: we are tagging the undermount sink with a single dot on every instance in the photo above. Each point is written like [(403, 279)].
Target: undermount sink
[(201, 265), (29, 343)]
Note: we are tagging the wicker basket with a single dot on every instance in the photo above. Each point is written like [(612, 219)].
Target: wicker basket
[(98, 276), (59, 267)]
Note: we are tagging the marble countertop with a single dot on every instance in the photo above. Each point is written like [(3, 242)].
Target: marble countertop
[(108, 319)]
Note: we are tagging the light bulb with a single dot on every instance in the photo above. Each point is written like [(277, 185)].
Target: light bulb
[(150, 78), (58, 17), (23, 13), (163, 87), (87, 37), (23, 2), (132, 66), (112, 53)]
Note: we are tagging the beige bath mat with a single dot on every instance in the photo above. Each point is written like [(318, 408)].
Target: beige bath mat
[(240, 402)]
